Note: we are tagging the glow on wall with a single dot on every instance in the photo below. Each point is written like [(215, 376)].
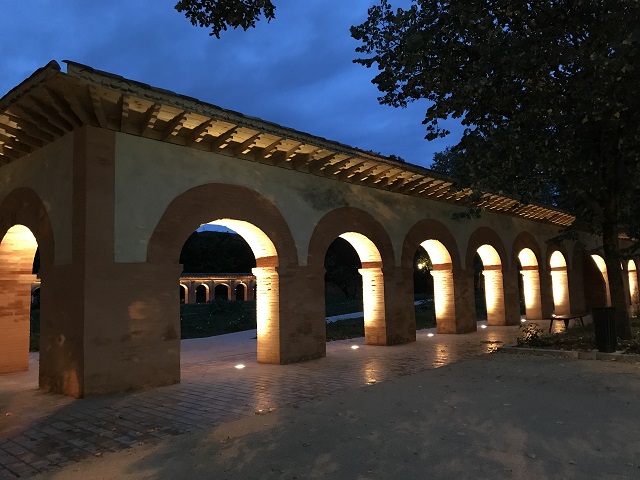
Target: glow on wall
[(633, 283), (443, 289), (17, 249), (267, 287), (560, 284), (530, 283), (602, 266), (493, 284), (372, 282)]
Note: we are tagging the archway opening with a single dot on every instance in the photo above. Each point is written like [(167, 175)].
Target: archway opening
[(530, 284), (491, 273), (202, 293), (19, 323), (241, 292), (211, 258), (221, 292), (184, 294), (433, 260), (343, 290), (559, 284), (370, 260)]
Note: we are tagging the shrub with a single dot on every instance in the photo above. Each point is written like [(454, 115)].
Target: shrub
[(531, 336)]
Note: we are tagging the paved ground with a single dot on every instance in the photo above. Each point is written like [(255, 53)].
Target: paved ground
[(366, 413), (40, 432)]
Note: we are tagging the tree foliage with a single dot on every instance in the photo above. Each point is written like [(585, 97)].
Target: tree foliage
[(220, 14), (548, 93)]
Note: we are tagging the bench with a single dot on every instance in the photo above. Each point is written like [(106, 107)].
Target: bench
[(566, 318)]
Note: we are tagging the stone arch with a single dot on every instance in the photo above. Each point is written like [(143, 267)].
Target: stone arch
[(441, 246), (24, 227), (490, 248), (262, 226), (559, 282), (370, 240), (527, 251)]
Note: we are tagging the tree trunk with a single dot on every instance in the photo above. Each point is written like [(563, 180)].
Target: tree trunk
[(610, 244)]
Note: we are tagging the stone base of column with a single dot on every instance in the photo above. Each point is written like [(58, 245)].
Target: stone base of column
[(118, 332)]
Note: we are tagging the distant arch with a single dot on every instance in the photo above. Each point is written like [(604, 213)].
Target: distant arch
[(634, 295)]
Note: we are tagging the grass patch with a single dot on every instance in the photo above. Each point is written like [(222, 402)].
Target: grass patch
[(354, 327), (577, 338), (216, 318)]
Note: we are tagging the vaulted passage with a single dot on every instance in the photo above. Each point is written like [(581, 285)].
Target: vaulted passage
[(493, 284), (17, 251), (530, 283), (560, 284)]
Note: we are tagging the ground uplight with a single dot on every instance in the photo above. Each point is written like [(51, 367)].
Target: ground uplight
[(240, 366)]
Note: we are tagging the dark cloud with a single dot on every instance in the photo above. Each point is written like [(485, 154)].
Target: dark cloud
[(296, 71)]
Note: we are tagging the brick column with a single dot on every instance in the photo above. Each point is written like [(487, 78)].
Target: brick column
[(511, 297), (546, 293), (465, 304), (532, 292), (303, 328), (106, 327), (399, 310)]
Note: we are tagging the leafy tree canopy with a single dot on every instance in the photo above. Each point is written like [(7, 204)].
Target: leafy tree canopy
[(548, 92), (220, 14)]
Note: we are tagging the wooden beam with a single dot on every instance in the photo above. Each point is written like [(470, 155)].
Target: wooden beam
[(98, 109), (22, 136), (125, 112), (173, 126), (408, 186), (52, 114), (368, 177), (223, 138), (282, 156), (246, 145), (40, 121), (78, 107), (344, 174), (269, 149), (318, 164), (150, 118), (329, 170), (31, 128), (62, 106), (301, 159), (16, 145), (201, 131)]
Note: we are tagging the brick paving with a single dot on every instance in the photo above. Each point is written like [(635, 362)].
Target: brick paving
[(39, 432)]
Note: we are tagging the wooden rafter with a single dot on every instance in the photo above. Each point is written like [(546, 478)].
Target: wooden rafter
[(224, 138), (150, 119), (173, 126), (245, 147), (198, 133), (98, 109)]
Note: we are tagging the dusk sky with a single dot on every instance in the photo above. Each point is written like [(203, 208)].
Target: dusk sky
[(296, 71)]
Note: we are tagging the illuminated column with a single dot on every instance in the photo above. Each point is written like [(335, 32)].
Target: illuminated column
[(16, 262), (531, 286), (444, 299), (633, 284), (373, 306), (560, 282), (494, 291), (268, 314)]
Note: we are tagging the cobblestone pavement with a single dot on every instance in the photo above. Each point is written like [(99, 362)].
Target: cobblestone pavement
[(39, 431)]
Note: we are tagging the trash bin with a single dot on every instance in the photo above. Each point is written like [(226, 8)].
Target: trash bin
[(604, 324)]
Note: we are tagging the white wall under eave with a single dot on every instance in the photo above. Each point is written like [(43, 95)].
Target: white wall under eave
[(150, 174)]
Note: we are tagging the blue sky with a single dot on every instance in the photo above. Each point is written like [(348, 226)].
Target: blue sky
[(296, 71)]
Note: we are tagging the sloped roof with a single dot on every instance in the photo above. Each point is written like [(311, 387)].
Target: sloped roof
[(51, 103)]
